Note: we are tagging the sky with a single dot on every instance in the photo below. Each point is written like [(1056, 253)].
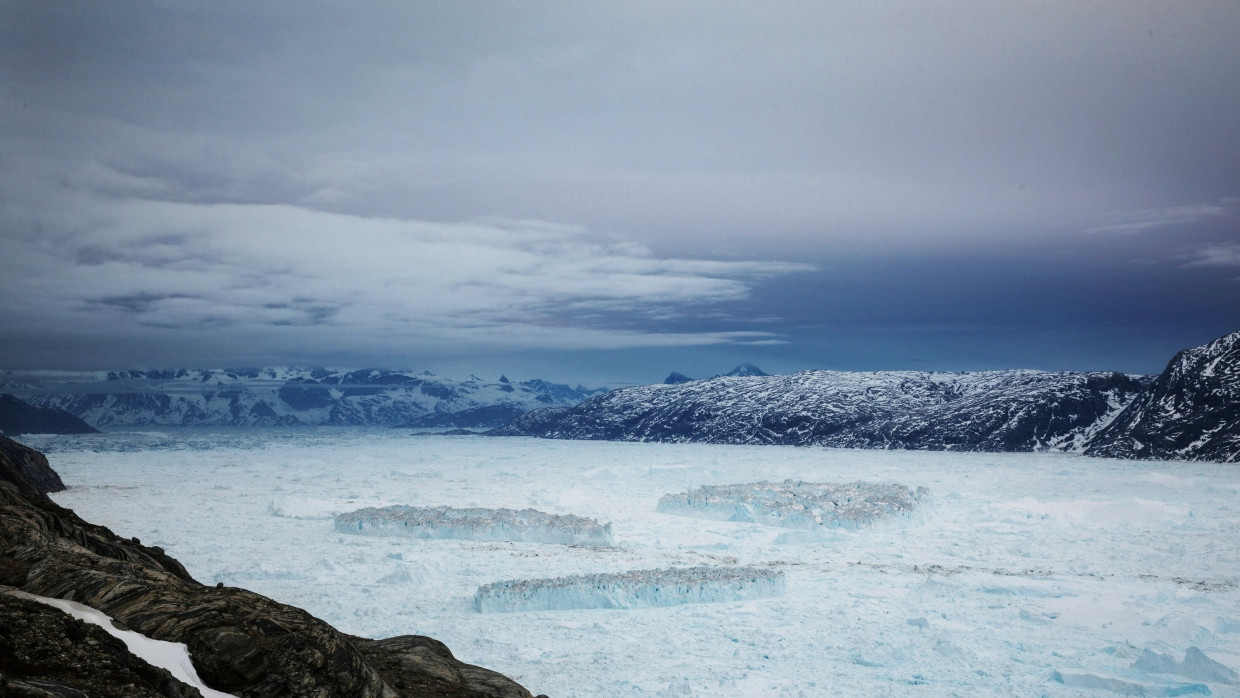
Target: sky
[(606, 192)]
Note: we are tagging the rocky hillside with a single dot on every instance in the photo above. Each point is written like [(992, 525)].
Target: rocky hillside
[(987, 411), (1190, 412), (241, 643), (20, 417), (288, 396)]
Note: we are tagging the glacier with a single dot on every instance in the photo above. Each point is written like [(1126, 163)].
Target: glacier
[(1030, 564), (798, 504), (524, 526), (631, 589)]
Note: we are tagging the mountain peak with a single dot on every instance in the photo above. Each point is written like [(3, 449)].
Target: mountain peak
[(746, 369), (676, 378)]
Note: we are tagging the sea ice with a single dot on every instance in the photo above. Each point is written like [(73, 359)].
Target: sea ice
[(1127, 688), (1196, 665), (798, 504), (632, 589), (1031, 563), (526, 525)]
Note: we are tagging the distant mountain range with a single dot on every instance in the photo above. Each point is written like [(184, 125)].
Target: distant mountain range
[(288, 396), (988, 411), (1190, 412)]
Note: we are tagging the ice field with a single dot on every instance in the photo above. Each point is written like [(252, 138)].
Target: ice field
[(1022, 574)]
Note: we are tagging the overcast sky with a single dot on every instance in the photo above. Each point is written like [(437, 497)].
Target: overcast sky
[(605, 192)]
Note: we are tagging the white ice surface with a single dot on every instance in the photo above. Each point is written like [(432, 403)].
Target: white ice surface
[(1027, 567), (173, 656)]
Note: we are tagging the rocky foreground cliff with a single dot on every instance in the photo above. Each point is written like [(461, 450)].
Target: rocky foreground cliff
[(241, 642)]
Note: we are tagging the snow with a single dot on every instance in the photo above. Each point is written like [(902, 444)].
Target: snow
[(797, 504), (526, 525), (1025, 566), (173, 656), (632, 589)]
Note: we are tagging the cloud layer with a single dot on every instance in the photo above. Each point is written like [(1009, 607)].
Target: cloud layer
[(410, 182), (228, 274)]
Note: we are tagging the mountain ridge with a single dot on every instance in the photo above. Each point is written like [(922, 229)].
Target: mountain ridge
[(289, 396), (20, 417), (1189, 412), (990, 410)]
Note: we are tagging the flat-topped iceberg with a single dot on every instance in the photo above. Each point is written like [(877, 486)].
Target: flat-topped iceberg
[(798, 504), (525, 525), (633, 589)]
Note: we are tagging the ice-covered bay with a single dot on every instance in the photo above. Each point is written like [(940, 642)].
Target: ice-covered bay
[(1031, 574)]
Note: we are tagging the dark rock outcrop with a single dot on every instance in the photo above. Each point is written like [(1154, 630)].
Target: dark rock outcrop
[(20, 417), (424, 666), (676, 378), (27, 470), (487, 416), (241, 642), (1190, 412), (533, 423)]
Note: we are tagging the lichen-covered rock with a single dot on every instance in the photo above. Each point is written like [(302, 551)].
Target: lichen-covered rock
[(420, 665)]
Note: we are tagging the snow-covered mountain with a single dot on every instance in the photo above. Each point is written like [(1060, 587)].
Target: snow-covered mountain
[(986, 411), (289, 396), (1191, 412)]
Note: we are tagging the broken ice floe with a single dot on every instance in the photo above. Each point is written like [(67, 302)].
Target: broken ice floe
[(1196, 665), (797, 504), (632, 589), (526, 525), (1095, 682)]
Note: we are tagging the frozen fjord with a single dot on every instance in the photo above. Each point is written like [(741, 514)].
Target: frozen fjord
[(1026, 565)]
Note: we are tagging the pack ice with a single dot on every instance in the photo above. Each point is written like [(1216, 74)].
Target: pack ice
[(632, 589), (798, 504), (525, 525)]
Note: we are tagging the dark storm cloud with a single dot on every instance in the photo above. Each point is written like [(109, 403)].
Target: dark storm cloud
[(464, 178)]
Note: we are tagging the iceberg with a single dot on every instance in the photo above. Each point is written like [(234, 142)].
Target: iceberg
[(632, 589), (525, 525), (797, 504)]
